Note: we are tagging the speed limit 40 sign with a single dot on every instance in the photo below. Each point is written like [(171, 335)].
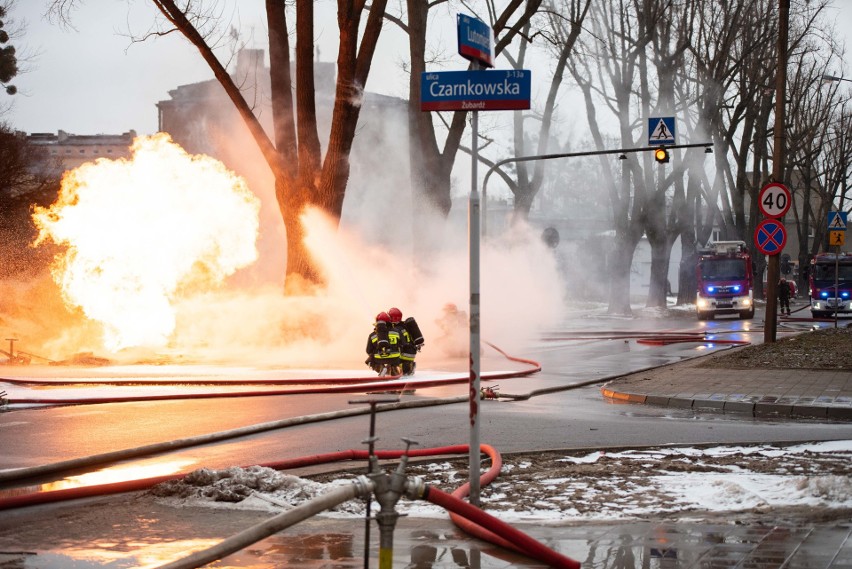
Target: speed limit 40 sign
[(774, 200)]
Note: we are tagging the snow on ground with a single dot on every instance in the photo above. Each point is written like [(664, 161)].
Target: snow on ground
[(553, 487)]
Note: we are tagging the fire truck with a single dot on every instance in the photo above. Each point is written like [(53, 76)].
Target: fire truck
[(830, 289), (725, 281)]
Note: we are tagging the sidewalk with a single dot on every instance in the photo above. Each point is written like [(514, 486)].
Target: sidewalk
[(814, 394)]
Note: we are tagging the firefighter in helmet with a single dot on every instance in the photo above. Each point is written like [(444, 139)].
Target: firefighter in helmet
[(411, 338), (453, 323), (383, 346)]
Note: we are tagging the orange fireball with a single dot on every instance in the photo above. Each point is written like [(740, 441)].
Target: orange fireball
[(140, 234)]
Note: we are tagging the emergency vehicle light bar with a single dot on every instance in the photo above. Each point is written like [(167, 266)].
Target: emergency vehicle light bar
[(729, 247)]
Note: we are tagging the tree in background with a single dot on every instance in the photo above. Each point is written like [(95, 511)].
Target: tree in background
[(711, 65), (432, 162), (564, 25), (820, 148), (728, 82), (28, 177), (304, 176), (607, 69), (8, 61)]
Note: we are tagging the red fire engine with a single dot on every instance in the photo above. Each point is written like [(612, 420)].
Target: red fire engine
[(725, 281), (830, 284)]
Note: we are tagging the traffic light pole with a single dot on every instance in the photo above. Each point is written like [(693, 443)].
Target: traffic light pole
[(706, 145)]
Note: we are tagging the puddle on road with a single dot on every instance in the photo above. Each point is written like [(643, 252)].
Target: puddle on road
[(137, 531), (341, 550)]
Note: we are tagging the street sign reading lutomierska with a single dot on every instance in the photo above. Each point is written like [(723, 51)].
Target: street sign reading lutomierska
[(491, 90), (475, 40)]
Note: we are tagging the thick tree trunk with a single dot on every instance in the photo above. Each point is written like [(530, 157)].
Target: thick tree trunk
[(302, 177), (430, 172), (687, 280), (621, 260), (301, 271), (657, 233), (659, 284)]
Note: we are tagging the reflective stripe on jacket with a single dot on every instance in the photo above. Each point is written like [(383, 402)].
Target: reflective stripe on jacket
[(392, 352)]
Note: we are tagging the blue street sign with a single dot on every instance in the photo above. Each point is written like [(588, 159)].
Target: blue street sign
[(661, 130), (837, 220), (475, 40), (770, 236), (492, 90)]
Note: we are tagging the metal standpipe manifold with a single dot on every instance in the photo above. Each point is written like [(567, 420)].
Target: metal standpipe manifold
[(388, 490)]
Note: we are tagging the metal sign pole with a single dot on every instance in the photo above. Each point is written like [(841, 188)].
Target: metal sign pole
[(473, 241), (836, 283)]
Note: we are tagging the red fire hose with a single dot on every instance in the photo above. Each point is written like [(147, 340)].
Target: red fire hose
[(519, 541), (467, 517)]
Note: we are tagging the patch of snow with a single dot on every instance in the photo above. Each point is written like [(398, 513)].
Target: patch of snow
[(621, 485)]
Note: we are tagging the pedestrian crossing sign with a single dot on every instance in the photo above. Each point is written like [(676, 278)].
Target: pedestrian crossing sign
[(837, 221), (661, 130)]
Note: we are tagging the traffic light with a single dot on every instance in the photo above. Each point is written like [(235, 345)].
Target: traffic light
[(661, 155), (785, 264)]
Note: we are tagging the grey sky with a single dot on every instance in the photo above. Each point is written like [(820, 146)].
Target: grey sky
[(91, 80)]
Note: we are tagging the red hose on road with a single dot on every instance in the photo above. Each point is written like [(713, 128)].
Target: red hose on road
[(536, 367), (468, 518), (518, 540), (145, 483), (678, 340), (334, 385)]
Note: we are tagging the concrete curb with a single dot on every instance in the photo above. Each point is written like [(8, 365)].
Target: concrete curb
[(789, 393)]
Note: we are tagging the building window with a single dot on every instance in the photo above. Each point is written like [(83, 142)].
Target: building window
[(82, 151)]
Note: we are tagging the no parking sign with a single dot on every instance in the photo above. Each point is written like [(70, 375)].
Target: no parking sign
[(770, 236)]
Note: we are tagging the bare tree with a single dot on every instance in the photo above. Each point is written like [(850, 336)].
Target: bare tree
[(565, 22), (741, 111), (819, 146), (607, 68), (432, 162), (304, 176), (663, 222), (725, 76), (8, 58), (28, 177)]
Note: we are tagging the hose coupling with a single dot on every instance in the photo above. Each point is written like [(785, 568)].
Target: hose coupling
[(363, 486), (415, 487)]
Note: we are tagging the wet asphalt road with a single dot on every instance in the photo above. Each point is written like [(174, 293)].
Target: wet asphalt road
[(133, 531), (581, 351)]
